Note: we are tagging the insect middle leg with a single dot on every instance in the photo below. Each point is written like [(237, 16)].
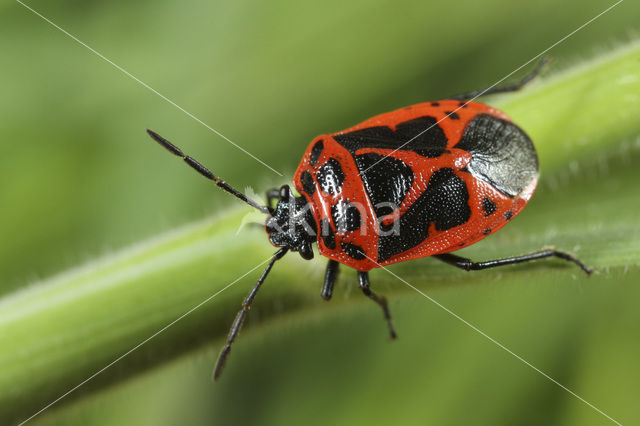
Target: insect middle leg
[(513, 87), (469, 265), (363, 281)]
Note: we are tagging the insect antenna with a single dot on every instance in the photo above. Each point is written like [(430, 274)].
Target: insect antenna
[(194, 164), (242, 314)]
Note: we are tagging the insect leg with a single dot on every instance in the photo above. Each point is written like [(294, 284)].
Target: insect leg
[(513, 87), (469, 265), (240, 317), (363, 281), (330, 277)]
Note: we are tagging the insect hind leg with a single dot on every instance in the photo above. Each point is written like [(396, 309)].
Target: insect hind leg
[(469, 265), (512, 87)]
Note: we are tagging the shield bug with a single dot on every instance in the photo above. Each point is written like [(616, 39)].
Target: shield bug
[(423, 180)]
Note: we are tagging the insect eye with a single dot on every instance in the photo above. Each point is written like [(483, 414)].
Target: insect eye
[(306, 252), (271, 226), (284, 192)]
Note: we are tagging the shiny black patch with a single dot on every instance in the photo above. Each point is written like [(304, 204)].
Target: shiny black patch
[(502, 154), (435, 104), (387, 181), (486, 231), (353, 251), (452, 115), (427, 138), (346, 217), (488, 206), (508, 215), (330, 176), (445, 203), (462, 104), (292, 224), (316, 151), (307, 183), (328, 237), (383, 210)]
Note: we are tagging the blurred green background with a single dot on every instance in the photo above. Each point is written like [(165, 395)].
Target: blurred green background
[(80, 180)]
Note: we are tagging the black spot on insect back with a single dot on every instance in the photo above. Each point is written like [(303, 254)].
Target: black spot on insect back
[(346, 216), (452, 115), (445, 203), (330, 176), (488, 206), (508, 215), (486, 231), (387, 181), (426, 136), (422, 135), (316, 151), (353, 251), (307, 183), (446, 200), (327, 235), (435, 104)]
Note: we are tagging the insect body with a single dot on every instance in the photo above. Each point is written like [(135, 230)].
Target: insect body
[(424, 180), (461, 179)]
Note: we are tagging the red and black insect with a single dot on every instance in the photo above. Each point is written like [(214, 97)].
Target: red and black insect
[(424, 180)]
